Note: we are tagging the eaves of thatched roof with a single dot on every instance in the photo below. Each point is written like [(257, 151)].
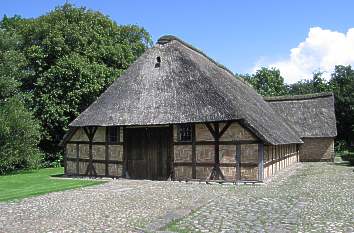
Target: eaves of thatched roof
[(186, 86), (310, 115)]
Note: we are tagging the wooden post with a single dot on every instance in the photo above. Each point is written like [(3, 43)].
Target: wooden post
[(77, 158), (238, 162), (171, 155), (106, 152), (217, 134), (125, 154), (260, 161), (90, 132), (194, 159), (272, 160), (216, 147)]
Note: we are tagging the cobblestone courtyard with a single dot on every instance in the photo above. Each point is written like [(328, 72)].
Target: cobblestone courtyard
[(315, 197)]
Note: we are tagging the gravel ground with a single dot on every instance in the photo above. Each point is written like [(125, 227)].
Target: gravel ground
[(314, 197)]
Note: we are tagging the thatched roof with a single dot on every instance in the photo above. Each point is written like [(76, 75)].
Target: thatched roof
[(311, 115), (187, 86)]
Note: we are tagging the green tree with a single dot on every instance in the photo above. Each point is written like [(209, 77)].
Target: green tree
[(315, 85), (73, 54), (342, 82), (19, 131), (267, 82)]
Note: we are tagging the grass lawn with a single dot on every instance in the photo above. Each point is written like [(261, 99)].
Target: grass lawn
[(36, 182)]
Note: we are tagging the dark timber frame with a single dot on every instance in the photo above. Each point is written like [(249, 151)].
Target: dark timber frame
[(275, 155), (90, 169), (90, 133), (216, 172)]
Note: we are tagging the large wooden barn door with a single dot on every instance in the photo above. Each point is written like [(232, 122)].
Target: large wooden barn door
[(147, 152)]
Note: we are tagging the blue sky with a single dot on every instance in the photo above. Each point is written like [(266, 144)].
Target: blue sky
[(242, 35)]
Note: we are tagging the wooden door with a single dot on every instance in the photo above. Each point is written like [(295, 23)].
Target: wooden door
[(148, 152)]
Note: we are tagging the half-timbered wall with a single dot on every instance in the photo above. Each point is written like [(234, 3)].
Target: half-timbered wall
[(103, 159), (242, 156), (279, 157), (195, 160)]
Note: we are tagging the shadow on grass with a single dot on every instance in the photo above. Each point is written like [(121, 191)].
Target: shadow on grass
[(59, 176), (343, 163), (20, 172)]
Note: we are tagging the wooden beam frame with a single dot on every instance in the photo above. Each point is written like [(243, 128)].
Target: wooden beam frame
[(214, 129), (171, 168), (260, 161), (125, 154), (90, 133), (77, 159), (238, 162), (107, 151), (229, 142), (194, 157)]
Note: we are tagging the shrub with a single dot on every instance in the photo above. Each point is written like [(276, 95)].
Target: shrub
[(348, 156), (19, 137)]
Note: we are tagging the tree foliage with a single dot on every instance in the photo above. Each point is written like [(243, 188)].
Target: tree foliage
[(19, 131), (315, 85), (73, 54), (268, 82), (342, 83)]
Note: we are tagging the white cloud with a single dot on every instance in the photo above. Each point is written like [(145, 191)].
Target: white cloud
[(321, 51)]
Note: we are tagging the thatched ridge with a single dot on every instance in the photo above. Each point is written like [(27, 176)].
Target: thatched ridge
[(185, 86), (297, 97), (311, 115)]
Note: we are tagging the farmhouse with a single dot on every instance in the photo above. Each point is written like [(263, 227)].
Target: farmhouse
[(312, 117), (177, 114)]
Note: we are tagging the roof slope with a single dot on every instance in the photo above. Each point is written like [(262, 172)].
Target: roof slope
[(311, 115), (188, 86)]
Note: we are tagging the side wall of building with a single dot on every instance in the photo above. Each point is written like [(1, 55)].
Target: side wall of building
[(242, 155), (317, 149), (107, 158), (279, 157), (195, 160)]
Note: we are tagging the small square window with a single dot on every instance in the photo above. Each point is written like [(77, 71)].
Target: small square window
[(184, 133), (113, 134)]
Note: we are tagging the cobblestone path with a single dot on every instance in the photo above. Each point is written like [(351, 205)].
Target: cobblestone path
[(315, 197), (116, 206), (318, 197)]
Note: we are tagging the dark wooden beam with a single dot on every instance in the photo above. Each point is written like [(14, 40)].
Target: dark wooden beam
[(238, 162), (216, 140), (171, 155), (206, 164), (211, 130), (87, 133), (261, 161), (95, 143), (216, 172), (106, 152), (125, 154), (90, 132), (96, 161), (77, 159), (226, 126), (194, 159), (232, 142), (118, 136)]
